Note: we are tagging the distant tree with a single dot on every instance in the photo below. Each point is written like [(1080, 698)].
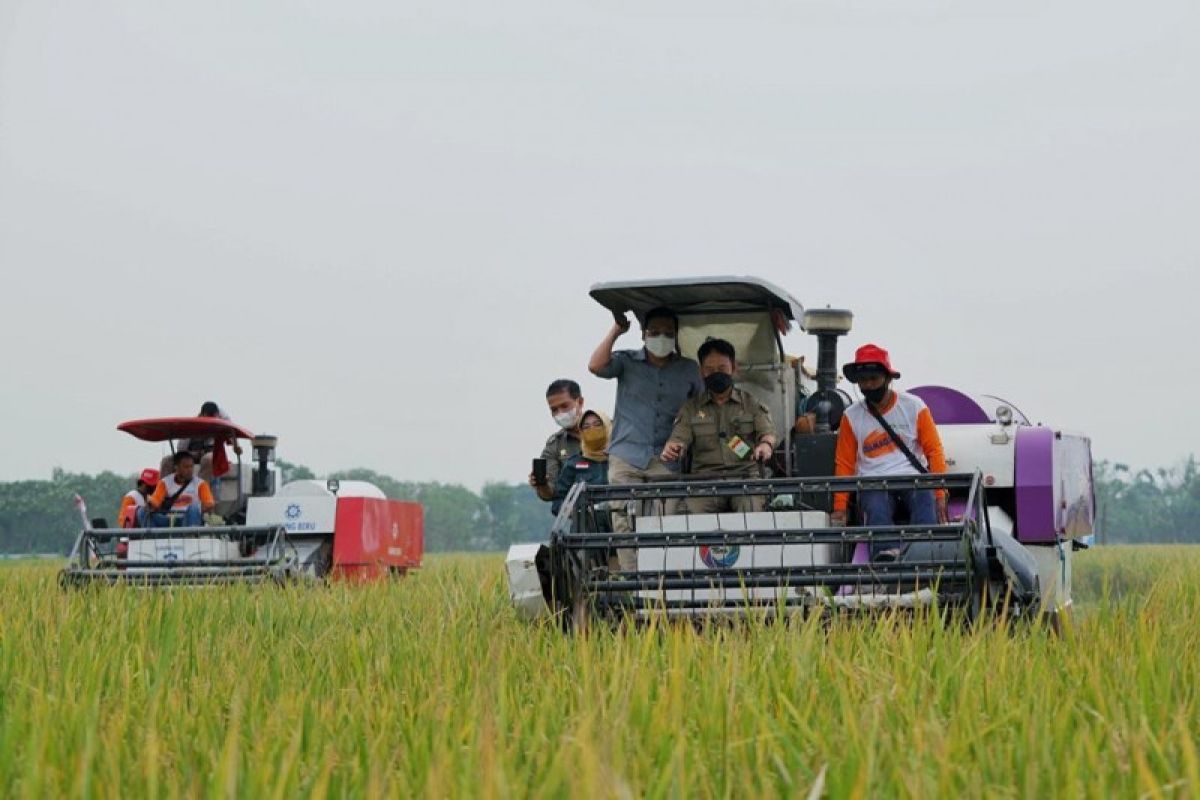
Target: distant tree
[(294, 472), (1161, 505), (515, 514), (40, 516)]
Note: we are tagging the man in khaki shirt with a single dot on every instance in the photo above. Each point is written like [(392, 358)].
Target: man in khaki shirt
[(729, 432), (565, 400)]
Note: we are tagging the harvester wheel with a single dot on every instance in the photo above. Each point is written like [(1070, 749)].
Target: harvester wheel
[(324, 560)]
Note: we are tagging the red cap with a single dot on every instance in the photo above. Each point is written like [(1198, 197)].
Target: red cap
[(869, 355), (149, 477)]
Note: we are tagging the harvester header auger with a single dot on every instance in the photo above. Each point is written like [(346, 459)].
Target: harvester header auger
[(258, 530)]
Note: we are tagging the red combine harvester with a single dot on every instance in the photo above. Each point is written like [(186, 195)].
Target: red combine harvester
[(259, 529)]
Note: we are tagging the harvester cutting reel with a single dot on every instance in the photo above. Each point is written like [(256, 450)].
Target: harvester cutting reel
[(635, 551), (182, 556)]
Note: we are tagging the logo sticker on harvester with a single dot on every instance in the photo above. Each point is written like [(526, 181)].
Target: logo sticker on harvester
[(739, 447), (720, 556)]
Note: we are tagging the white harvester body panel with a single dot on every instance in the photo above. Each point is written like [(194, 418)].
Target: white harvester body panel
[(988, 448), (524, 585), (167, 550), (1054, 573), (315, 488), (296, 513), (764, 556)]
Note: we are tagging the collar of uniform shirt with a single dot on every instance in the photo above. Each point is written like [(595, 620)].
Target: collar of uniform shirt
[(735, 396)]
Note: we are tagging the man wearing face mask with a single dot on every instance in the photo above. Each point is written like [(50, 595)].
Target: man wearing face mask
[(866, 447), (652, 385), (565, 400), (729, 432)]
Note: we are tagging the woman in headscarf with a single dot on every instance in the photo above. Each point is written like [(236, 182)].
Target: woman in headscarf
[(591, 465)]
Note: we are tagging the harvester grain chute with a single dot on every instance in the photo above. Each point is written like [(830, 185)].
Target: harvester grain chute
[(1020, 498), (260, 528)]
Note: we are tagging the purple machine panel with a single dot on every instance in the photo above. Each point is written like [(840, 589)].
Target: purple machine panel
[(1055, 497), (950, 406), (1035, 486)]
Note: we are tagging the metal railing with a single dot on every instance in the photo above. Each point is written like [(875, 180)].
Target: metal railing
[(268, 556), (785, 555)]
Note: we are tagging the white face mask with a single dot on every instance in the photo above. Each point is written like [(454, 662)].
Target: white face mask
[(661, 346), (568, 419)]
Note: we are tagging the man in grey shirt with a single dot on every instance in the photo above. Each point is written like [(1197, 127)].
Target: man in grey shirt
[(653, 383)]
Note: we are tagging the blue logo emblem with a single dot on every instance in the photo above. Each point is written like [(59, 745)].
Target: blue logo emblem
[(172, 556), (720, 556), (293, 511)]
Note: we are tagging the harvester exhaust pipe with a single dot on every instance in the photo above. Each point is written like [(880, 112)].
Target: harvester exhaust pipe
[(264, 454), (827, 324)]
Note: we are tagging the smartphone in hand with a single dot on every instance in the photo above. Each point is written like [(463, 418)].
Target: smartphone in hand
[(539, 471)]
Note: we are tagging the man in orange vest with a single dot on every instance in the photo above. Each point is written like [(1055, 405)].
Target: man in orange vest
[(181, 495), (135, 499), (866, 447)]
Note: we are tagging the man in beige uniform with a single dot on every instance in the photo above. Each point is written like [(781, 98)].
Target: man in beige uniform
[(565, 400), (729, 432)]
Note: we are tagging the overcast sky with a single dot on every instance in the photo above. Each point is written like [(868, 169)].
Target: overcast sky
[(369, 226)]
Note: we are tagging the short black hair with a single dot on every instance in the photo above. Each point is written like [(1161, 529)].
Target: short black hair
[(662, 312), (210, 409), (181, 455), (716, 346), (564, 385)]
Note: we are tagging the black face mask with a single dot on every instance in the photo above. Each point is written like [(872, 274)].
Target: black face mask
[(718, 382), (875, 396)]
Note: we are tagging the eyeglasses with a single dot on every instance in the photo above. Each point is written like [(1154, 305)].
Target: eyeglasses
[(590, 424)]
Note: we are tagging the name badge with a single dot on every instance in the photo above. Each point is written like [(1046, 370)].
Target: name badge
[(739, 447)]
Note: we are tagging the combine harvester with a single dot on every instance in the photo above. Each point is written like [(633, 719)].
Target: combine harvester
[(1020, 498), (267, 531)]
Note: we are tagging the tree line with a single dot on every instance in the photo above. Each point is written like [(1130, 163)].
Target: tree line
[(38, 516), (1143, 506)]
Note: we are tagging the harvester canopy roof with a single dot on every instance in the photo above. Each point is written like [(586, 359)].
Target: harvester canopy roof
[(685, 296), (165, 428)]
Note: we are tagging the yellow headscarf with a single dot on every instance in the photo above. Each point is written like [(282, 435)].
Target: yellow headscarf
[(592, 451)]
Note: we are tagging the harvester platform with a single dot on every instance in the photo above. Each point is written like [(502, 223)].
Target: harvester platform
[(183, 556), (785, 557)]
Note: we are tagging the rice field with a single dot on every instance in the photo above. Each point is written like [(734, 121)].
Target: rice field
[(431, 687)]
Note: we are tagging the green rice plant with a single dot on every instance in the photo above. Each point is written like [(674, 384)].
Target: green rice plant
[(430, 686)]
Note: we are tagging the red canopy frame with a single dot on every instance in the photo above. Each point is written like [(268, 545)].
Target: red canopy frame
[(168, 428)]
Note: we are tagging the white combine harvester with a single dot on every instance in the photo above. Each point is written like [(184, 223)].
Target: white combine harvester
[(1020, 495), (263, 531)]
